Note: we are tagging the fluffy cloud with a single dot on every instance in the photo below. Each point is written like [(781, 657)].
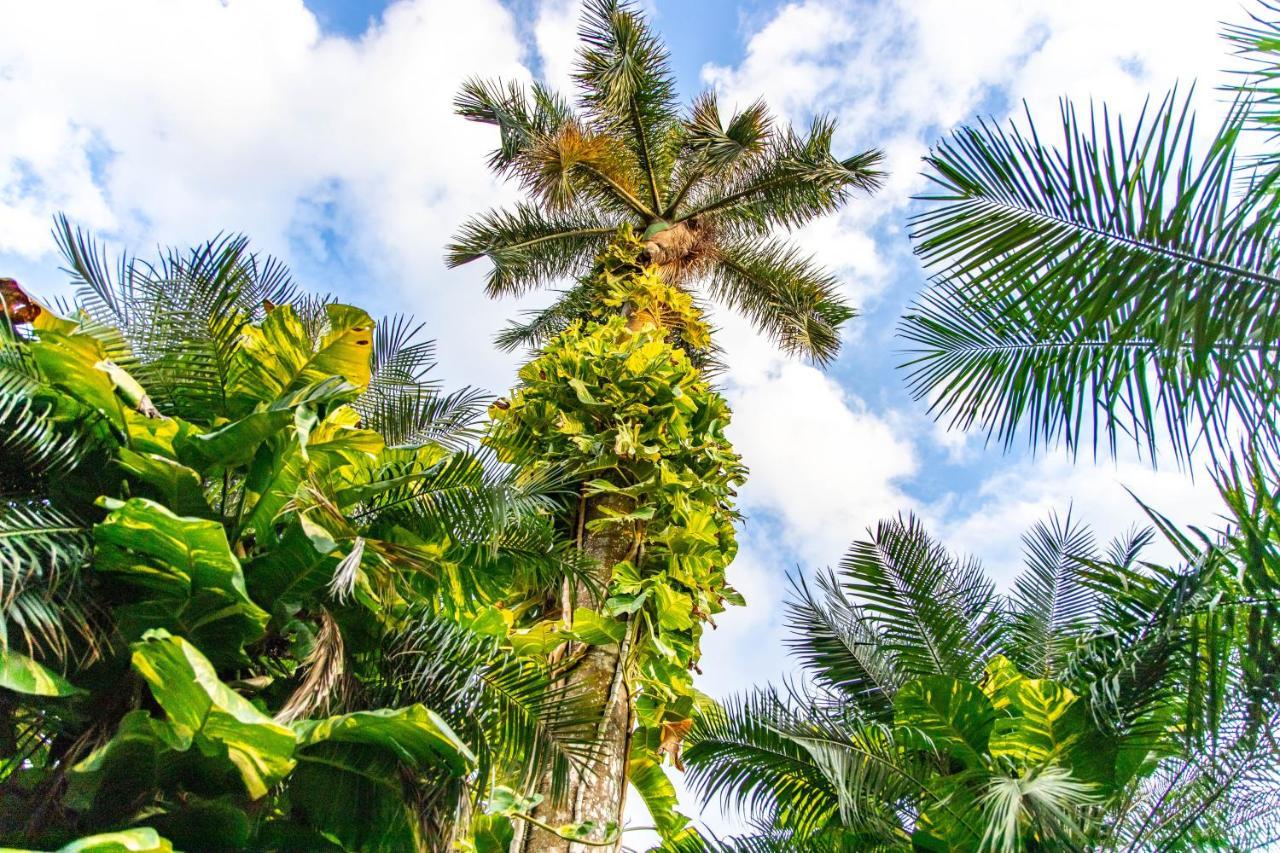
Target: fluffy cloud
[(181, 118)]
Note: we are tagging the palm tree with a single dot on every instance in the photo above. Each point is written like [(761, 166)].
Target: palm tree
[(1119, 285), (1103, 704), (706, 197)]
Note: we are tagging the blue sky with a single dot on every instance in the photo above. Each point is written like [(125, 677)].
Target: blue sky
[(323, 130)]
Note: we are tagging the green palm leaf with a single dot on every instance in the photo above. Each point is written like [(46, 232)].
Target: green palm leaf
[(1115, 285)]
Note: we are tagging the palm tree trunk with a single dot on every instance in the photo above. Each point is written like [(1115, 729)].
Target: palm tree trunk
[(597, 793)]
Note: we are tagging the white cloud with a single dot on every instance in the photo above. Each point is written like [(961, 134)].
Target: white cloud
[(181, 118), (989, 521), (556, 33)]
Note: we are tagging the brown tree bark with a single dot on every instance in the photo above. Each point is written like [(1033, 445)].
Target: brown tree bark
[(597, 793)]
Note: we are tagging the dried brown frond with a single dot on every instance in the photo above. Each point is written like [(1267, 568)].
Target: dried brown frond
[(325, 683)]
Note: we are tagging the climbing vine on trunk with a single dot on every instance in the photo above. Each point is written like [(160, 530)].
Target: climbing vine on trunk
[(617, 399)]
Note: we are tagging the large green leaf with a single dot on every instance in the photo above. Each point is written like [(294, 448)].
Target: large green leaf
[(1046, 721), (199, 708), (353, 792), (68, 362), (236, 443), (650, 781), (21, 674), (279, 356), (178, 486), (954, 715), (415, 735), (291, 570), (190, 581)]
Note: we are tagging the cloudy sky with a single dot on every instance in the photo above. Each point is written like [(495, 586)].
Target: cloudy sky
[(323, 130)]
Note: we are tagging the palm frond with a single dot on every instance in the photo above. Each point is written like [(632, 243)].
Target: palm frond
[(181, 315), (521, 116), (741, 754), (41, 552), (1257, 44), (528, 247), (937, 614), (545, 323), (840, 647), (1114, 285), (1049, 597), (785, 294), (795, 180), (627, 88), (521, 720)]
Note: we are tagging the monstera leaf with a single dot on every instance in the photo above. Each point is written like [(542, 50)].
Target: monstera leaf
[(280, 356), (193, 583), (954, 716)]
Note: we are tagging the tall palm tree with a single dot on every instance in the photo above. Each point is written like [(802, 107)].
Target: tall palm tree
[(1119, 285), (1103, 704), (706, 197)]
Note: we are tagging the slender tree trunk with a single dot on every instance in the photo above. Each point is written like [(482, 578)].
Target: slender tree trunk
[(597, 793)]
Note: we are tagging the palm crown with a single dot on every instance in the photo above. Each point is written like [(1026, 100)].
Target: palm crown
[(706, 196)]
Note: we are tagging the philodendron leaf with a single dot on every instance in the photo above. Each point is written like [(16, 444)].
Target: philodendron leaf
[(201, 709), (415, 735), (1046, 721), (651, 783), (21, 674), (954, 715), (141, 840), (596, 630), (194, 585), (279, 356)]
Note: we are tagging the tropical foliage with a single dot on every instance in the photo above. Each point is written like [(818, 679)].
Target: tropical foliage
[(1118, 286), (615, 394), (1106, 703), (253, 572), (618, 407)]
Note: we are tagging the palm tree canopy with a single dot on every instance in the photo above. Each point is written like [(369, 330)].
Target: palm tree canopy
[(706, 195)]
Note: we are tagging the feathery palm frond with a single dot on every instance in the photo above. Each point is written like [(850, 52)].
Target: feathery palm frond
[(841, 647), (1049, 596), (936, 614), (181, 316), (741, 753), (784, 293), (1257, 43), (509, 708), (1116, 285), (528, 248), (402, 404)]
